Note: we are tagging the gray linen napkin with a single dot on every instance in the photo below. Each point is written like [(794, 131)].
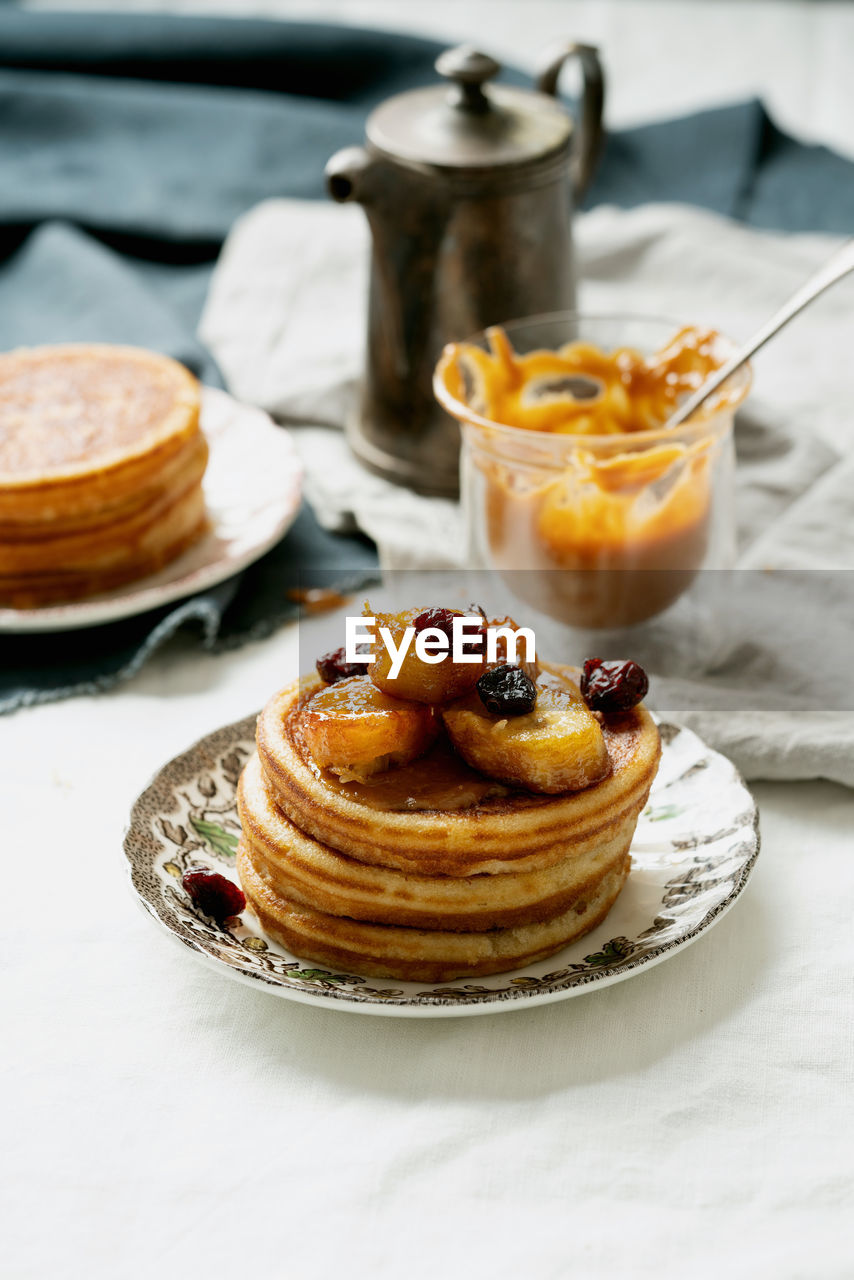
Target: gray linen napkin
[(285, 320)]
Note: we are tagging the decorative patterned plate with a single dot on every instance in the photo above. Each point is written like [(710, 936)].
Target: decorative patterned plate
[(252, 489), (694, 849)]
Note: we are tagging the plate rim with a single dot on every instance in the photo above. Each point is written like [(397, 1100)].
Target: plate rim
[(135, 598), (502, 1001)]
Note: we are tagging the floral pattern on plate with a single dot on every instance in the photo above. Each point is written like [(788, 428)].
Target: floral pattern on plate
[(694, 848)]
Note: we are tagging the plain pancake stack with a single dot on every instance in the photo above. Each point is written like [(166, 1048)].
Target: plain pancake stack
[(354, 878), (101, 466)]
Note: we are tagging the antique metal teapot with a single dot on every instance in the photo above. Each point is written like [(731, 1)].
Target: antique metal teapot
[(468, 192)]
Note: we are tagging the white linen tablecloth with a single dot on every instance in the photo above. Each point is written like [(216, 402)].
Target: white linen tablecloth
[(161, 1120)]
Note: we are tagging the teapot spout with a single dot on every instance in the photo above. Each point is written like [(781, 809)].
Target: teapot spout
[(347, 174)]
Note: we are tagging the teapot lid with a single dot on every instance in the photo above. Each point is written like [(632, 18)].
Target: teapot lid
[(469, 127)]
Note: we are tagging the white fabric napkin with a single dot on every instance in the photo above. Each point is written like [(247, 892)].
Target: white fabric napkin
[(285, 318)]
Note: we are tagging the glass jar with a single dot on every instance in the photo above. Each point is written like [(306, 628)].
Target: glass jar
[(596, 530)]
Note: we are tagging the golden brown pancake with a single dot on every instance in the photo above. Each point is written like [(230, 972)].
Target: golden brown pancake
[(432, 871), (505, 829), (156, 540), (56, 510), (419, 955), (70, 410), (307, 872), (101, 463)]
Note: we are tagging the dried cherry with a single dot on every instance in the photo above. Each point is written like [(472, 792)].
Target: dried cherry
[(443, 620), (334, 666), (213, 893), (507, 691), (613, 686)]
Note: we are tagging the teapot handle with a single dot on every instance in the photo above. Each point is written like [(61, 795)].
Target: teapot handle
[(589, 142)]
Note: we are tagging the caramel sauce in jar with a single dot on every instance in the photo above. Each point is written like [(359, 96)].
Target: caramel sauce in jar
[(622, 558), (609, 515)]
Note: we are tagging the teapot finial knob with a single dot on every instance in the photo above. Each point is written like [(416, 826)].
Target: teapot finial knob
[(469, 69)]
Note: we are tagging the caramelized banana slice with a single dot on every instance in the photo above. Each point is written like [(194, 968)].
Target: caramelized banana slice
[(507, 623), (422, 681), (355, 730), (556, 747)]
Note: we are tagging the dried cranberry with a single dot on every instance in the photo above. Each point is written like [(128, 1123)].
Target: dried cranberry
[(443, 620), (613, 686), (477, 642), (334, 666), (507, 691), (214, 894)]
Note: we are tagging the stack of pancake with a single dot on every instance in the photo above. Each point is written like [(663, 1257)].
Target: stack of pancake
[(101, 464), (488, 879)]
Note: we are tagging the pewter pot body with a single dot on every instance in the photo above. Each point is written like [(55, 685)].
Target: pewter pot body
[(469, 200)]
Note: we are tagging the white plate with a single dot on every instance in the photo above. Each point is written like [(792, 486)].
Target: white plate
[(694, 848), (252, 490)]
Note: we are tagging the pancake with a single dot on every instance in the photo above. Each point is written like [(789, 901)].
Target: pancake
[(419, 955), (432, 871), (156, 542), (306, 872), (503, 830), (101, 463), (100, 546), (67, 412), (51, 512)]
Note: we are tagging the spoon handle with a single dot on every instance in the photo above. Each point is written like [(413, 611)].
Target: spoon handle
[(834, 269)]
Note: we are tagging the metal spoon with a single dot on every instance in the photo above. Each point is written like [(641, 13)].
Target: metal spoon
[(834, 269)]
